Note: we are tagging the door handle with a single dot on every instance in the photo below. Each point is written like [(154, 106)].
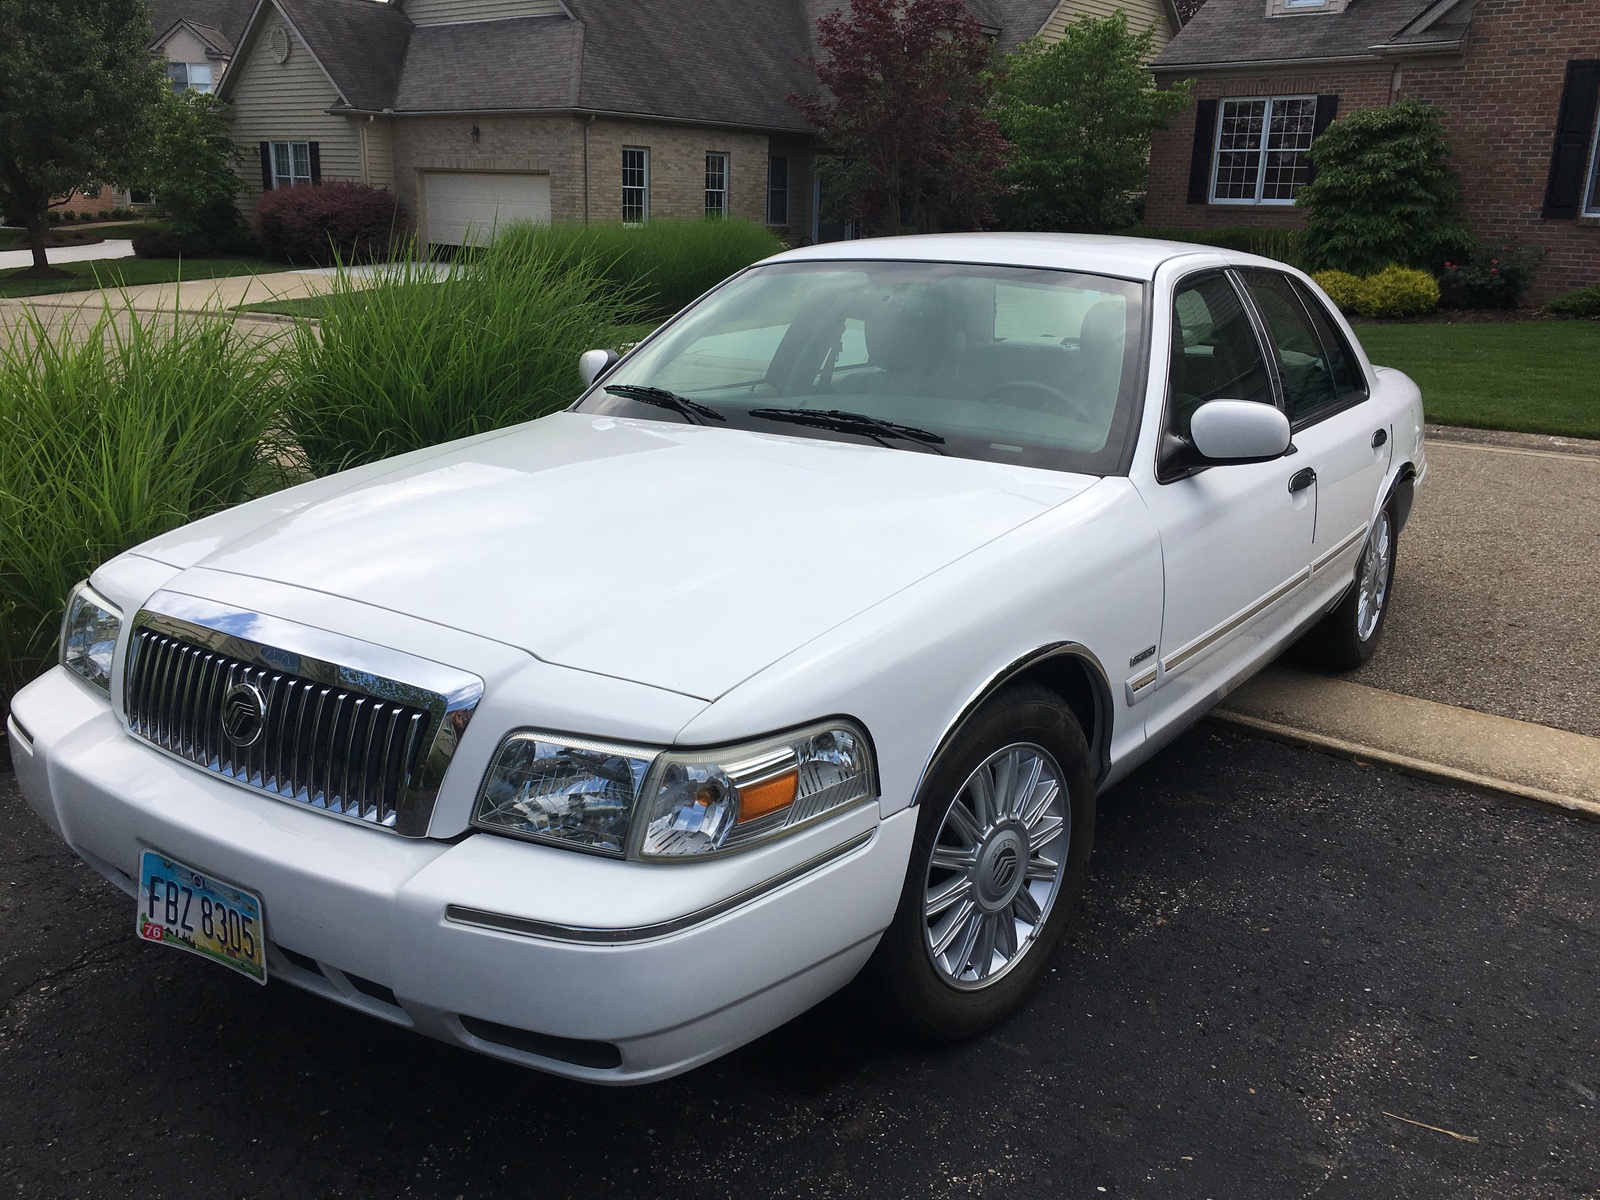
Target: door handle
[(1301, 480), (1379, 438)]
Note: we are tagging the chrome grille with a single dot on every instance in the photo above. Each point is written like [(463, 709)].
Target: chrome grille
[(338, 739)]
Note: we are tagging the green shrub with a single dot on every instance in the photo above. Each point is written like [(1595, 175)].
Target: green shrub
[(1488, 278), (1397, 291), (1383, 193), (103, 215), (1343, 288), (1284, 245), (663, 265), (1585, 302), (111, 433), (432, 352)]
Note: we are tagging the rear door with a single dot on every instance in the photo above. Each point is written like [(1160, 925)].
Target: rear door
[(1337, 425), (1235, 539)]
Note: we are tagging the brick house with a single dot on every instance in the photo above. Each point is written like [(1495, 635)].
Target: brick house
[(1516, 81), (482, 111)]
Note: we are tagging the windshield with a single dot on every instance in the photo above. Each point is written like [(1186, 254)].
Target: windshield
[(1006, 364)]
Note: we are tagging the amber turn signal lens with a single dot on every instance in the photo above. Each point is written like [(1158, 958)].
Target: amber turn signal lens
[(768, 796)]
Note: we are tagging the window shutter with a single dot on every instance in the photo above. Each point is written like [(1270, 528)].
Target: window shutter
[(316, 163), (1205, 137), (1574, 131), (266, 167), (1327, 110)]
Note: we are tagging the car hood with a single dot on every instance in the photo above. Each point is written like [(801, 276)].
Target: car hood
[(683, 557)]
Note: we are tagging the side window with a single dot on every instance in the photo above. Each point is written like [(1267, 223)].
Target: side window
[(1347, 376), (1308, 383), (1215, 353)]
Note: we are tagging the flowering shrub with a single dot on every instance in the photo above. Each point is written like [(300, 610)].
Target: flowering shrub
[(344, 222), (1488, 278)]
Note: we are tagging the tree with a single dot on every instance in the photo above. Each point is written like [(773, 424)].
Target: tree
[(906, 85), (1383, 193), (76, 85), (189, 165), (1080, 113)]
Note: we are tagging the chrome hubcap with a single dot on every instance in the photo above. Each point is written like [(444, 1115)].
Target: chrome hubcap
[(1373, 588), (997, 866)]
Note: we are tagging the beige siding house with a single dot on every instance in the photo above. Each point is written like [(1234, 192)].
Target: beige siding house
[(477, 113)]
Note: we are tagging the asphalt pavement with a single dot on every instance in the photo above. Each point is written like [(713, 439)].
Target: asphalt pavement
[(1291, 976)]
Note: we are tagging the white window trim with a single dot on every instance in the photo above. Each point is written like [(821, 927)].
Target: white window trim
[(1261, 170), (727, 167), (1589, 198), (644, 218), (291, 179)]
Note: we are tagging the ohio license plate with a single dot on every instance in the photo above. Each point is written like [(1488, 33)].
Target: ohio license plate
[(179, 906)]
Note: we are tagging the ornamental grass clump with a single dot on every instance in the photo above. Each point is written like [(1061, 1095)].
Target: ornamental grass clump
[(111, 432), (413, 354)]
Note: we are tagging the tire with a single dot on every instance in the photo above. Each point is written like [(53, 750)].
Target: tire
[(948, 996), (1347, 636)]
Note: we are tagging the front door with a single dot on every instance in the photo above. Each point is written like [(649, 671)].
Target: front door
[(1235, 540)]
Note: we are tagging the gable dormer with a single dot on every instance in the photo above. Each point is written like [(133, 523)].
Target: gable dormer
[(1305, 8), (455, 12)]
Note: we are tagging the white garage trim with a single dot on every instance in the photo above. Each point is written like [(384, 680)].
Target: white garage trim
[(464, 208)]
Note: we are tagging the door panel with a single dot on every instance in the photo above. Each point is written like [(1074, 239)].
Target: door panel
[(465, 207), (1340, 429), (1235, 540)]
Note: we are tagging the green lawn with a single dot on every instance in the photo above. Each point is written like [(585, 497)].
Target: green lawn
[(131, 272), (1526, 376)]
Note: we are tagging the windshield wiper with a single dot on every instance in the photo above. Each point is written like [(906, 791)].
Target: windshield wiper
[(662, 398), (852, 422)]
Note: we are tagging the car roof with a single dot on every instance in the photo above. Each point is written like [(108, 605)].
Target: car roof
[(1097, 254)]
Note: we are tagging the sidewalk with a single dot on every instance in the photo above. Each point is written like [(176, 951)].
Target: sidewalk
[(1489, 671)]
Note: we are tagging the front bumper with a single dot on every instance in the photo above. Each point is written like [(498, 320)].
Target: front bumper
[(601, 970)]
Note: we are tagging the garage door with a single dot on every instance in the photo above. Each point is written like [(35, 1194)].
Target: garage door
[(465, 207)]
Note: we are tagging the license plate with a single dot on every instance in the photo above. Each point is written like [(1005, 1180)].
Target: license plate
[(180, 906)]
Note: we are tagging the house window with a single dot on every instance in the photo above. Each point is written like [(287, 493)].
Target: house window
[(778, 190), (716, 185), (635, 185), (1261, 149), (291, 164), (189, 77)]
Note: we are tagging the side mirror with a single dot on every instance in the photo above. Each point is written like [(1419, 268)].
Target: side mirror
[(1239, 431), (594, 363)]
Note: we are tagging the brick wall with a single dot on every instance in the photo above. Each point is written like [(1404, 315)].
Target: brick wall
[(552, 145), (1499, 98), (1500, 101), (677, 168), (1166, 204)]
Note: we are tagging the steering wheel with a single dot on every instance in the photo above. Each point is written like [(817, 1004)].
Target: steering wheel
[(1058, 399)]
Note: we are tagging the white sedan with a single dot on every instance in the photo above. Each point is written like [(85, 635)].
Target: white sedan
[(801, 645)]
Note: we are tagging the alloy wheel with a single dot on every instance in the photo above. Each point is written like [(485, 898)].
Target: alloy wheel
[(997, 866), (1373, 588)]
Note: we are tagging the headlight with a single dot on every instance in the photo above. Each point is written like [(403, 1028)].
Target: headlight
[(89, 636), (639, 802)]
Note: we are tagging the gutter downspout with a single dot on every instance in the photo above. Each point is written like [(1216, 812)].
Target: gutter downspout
[(586, 125)]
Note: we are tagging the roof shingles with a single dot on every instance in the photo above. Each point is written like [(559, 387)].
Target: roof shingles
[(1240, 32)]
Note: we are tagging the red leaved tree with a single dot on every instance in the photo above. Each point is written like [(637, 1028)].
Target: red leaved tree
[(906, 88)]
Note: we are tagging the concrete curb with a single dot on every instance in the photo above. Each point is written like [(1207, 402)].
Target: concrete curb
[(1516, 760), (1434, 772)]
